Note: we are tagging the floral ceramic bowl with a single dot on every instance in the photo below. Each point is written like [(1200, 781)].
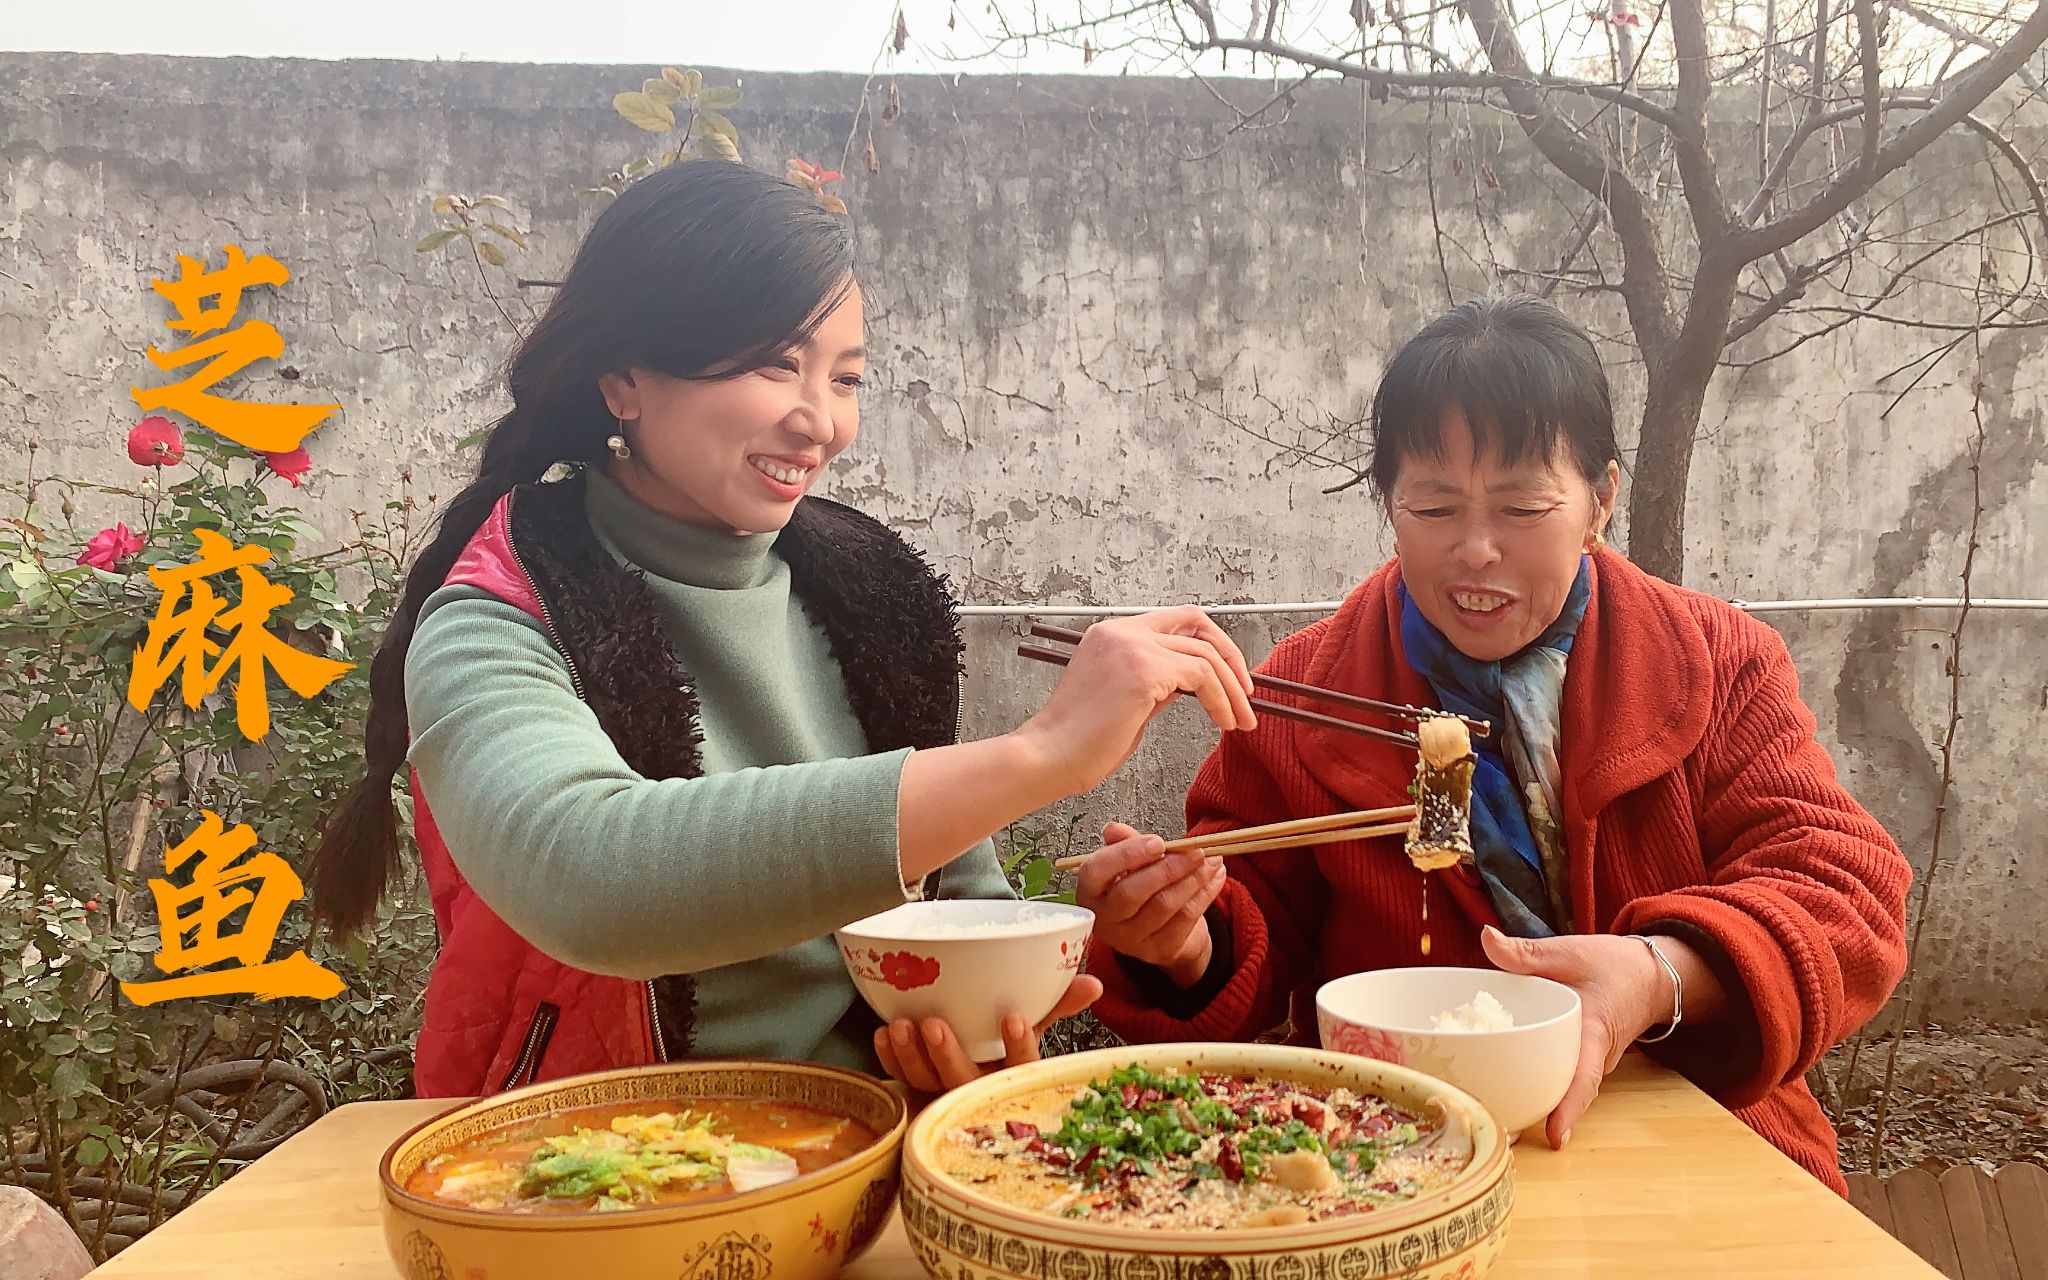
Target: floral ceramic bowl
[(959, 1231), (972, 962), (804, 1229), (1519, 1072)]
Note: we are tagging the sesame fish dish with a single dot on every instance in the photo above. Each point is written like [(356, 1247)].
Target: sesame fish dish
[(1179, 1152)]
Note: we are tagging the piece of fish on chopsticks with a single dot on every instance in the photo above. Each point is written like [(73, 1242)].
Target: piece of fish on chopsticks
[(1441, 835)]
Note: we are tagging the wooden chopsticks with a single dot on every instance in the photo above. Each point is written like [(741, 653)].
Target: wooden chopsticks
[(1335, 828), (1274, 684), (1061, 657)]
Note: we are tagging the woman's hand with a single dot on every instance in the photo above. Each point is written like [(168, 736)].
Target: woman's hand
[(1623, 992), (1122, 673), (1148, 903), (928, 1057)]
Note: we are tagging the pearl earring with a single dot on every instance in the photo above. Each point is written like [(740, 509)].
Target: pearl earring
[(617, 443)]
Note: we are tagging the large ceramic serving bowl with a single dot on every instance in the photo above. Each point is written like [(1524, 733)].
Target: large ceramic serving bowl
[(971, 961), (804, 1229), (1520, 1073), (1455, 1233)]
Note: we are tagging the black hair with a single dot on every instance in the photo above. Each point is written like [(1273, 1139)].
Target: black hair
[(704, 270), (1527, 379)]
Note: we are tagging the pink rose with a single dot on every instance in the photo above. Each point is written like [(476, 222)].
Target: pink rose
[(109, 547), (156, 442)]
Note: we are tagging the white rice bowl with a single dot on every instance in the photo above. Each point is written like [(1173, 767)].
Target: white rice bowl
[(972, 962)]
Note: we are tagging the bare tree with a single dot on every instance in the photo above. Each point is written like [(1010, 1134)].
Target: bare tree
[(1707, 237)]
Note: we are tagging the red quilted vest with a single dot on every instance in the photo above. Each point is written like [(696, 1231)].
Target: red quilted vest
[(470, 1040)]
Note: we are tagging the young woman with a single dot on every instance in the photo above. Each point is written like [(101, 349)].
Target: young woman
[(671, 720), (1653, 821)]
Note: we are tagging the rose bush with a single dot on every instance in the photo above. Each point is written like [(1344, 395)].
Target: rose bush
[(92, 792)]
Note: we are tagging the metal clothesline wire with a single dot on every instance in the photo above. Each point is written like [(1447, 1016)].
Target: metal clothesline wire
[(1331, 606)]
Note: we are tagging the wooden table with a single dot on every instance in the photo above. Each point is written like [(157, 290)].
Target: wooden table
[(1658, 1181)]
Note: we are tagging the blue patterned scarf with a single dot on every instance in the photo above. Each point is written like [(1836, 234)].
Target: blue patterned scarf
[(1519, 851)]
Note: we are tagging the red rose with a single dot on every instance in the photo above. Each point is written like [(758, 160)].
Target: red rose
[(156, 442), (110, 547), (289, 465), (907, 972)]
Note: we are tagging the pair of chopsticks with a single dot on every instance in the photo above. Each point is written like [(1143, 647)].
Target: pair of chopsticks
[(1359, 824), (1273, 684)]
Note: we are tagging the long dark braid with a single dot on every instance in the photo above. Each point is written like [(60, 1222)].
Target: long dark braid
[(705, 270)]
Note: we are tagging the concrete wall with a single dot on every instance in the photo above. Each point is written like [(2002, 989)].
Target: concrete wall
[(1065, 318)]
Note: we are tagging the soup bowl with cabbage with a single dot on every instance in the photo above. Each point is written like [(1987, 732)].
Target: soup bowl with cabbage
[(686, 1171), (1206, 1162)]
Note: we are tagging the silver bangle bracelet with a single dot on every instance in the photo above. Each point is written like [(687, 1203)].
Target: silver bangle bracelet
[(1677, 991)]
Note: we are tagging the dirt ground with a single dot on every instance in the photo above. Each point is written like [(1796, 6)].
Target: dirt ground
[(1969, 1093)]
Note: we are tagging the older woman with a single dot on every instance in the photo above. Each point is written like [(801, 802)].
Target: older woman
[(1653, 792)]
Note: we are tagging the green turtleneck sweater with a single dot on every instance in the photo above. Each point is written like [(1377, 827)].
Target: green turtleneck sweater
[(738, 876)]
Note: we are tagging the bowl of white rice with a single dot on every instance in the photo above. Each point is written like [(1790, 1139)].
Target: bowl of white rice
[(1508, 1039), (972, 962)]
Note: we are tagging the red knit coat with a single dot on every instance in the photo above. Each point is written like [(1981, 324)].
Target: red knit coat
[(1695, 801)]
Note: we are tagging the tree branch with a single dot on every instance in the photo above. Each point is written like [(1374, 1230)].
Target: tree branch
[(1962, 36), (1580, 237), (1796, 284), (1969, 89), (1446, 79), (1645, 284), (1246, 120), (1845, 316), (2004, 146), (1696, 172), (1802, 128), (1873, 91), (1971, 121)]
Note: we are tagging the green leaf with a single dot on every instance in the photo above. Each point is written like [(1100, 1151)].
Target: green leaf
[(437, 239), (661, 90), (496, 202), (508, 233), (693, 81), (91, 1153), (676, 78), (644, 112), (491, 253), (711, 121), (472, 440), (716, 146), (720, 97), (70, 1080)]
